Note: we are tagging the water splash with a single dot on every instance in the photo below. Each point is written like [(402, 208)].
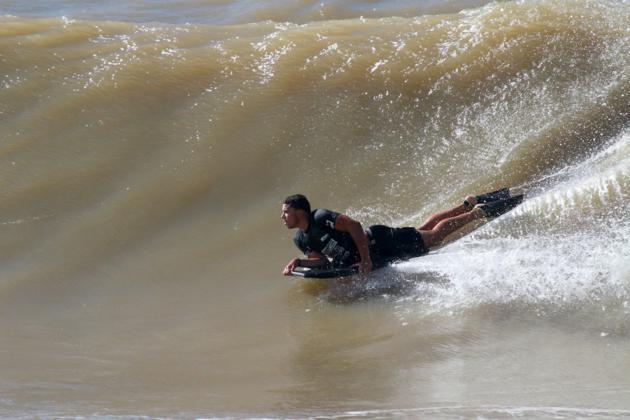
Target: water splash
[(563, 248)]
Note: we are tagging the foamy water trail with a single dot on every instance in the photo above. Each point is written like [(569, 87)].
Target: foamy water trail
[(564, 248)]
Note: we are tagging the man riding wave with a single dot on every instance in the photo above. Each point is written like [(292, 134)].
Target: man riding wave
[(328, 238)]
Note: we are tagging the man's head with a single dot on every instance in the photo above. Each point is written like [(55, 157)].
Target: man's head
[(295, 209)]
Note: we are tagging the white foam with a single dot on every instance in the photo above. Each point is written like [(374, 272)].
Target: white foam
[(562, 247)]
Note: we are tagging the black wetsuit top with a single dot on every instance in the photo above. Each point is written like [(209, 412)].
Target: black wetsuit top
[(386, 244), (322, 237)]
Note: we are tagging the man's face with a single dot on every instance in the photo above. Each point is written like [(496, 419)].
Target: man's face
[(289, 216)]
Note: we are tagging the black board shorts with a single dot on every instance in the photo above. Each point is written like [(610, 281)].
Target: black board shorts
[(389, 244)]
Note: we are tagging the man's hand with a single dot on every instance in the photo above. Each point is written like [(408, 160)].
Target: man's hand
[(365, 266), (291, 266)]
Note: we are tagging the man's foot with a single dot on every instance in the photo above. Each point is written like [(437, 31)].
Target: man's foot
[(470, 202), (473, 200), (497, 208)]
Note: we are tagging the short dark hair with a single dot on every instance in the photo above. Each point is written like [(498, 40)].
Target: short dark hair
[(298, 202)]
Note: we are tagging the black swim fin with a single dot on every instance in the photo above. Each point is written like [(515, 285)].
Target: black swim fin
[(501, 194), (499, 207)]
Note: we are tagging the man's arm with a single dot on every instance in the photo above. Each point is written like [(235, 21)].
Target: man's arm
[(354, 228), (314, 259)]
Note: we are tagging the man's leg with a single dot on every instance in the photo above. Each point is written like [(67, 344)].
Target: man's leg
[(445, 226), (433, 220)]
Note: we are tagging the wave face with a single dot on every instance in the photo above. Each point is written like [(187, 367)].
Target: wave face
[(143, 165)]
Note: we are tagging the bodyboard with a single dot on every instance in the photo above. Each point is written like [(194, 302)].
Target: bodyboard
[(324, 273)]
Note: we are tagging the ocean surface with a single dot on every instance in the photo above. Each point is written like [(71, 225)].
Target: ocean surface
[(146, 147)]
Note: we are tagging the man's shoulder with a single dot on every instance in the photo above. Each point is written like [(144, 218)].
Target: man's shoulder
[(325, 217)]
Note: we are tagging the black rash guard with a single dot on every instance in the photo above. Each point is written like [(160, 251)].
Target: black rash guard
[(386, 244), (322, 237)]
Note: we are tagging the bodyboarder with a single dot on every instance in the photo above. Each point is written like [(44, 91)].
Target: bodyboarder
[(331, 239)]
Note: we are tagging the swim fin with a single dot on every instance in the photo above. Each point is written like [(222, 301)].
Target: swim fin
[(499, 207), (501, 194)]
